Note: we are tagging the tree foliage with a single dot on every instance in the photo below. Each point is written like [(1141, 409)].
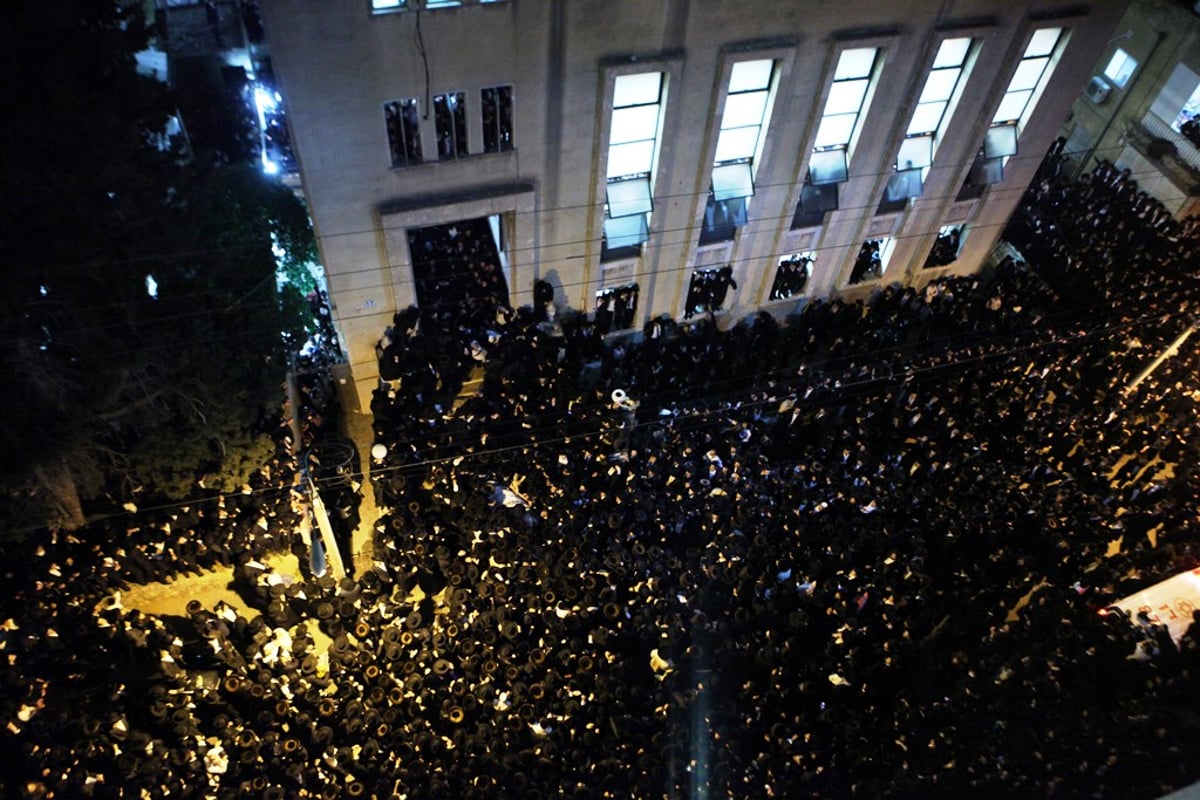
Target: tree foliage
[(108, 389)]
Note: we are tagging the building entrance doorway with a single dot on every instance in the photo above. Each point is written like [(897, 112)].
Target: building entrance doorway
[(459, 271)]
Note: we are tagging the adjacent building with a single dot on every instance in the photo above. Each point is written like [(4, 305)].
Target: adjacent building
[(683, 156), (1136, 108)]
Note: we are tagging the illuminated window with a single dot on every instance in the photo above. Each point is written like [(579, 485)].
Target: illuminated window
[(497, 105), (747, 105), (450, 118), (632, 154), (385, 6), (616, 308), (1032, 72), (708, 290), (1000, 141), (916, 151), (1120, 68), (403, 132), (872, 260), (830, 159), (791, 276)]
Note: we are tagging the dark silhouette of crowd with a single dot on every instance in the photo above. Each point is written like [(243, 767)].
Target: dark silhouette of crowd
[(945, 248), (707, 290), (457, 269), (860, 554), (868, 266), (791, 276)]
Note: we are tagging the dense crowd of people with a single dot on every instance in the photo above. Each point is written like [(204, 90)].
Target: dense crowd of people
[(862, 554)]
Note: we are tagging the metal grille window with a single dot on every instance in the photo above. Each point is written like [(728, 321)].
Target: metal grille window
[(403, 132), (497, 105), (450, 118)]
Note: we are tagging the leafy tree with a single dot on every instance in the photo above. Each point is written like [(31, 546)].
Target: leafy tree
[(109, 389)]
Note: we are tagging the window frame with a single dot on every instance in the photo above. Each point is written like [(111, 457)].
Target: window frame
[(459, 141), (808, 258), (731, 178), (845, 145), (616, 319), (409, 159), (1121, 79), (943, 87), (502, 145), (631, 249), (990, 161)]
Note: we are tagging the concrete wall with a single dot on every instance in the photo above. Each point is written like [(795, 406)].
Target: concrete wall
[(338, 64)]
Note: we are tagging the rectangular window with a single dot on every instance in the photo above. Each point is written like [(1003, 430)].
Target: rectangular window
[(385, 6), (707, 290), (945, 249), (815, 200), (632, 154), (791, 276), (497, 106), (1120, 68), (450, 118), (1000, 142), (616, 308), (739, 142), (403, 132), (927, 122), (830, 160), (1032, 72), (872, 261)]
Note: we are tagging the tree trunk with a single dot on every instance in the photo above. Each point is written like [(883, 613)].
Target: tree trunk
[(63, 508)]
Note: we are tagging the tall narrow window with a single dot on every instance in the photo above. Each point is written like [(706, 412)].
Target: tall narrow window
[(497, 106), (747, 106), (829, 163), (927, 122), (1000, 141), (632, 154), (1031, 74), (844, 107), (450, 118), (403, 132)]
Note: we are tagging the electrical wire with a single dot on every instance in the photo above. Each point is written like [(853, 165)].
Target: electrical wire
[(845, 394)]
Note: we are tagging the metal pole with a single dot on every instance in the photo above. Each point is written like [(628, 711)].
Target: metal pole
[(1156, 363)]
